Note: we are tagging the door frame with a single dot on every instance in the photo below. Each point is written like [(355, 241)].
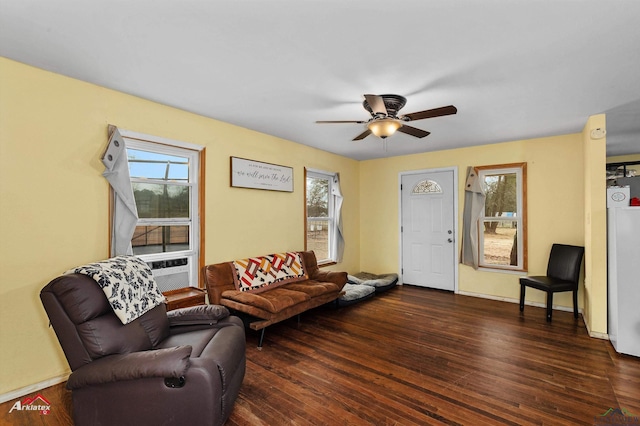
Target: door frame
[(456, 195)]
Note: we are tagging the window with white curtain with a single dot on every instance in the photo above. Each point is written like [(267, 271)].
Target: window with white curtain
[(502, 227), (164, 177), (322, 233)]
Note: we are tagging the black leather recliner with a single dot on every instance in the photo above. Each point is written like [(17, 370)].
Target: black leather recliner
[(182, 367)]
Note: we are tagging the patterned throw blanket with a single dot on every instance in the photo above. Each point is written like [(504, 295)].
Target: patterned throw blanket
[(257, 274), (128, 284)]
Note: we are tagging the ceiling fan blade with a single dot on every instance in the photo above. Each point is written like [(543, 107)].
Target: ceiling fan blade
[(340, 121), (377, 104), (362, 135), (430, 113), (413, 131)]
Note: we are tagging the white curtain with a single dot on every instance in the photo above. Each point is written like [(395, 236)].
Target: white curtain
[(337, 214), (125, 213), (474, 199)]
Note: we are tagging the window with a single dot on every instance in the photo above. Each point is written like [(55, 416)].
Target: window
[(502, 228), (427, 187), (322, 216), (165, 181)]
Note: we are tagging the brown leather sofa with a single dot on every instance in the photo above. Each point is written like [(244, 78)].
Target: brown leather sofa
[(182, 367), (277, 304)]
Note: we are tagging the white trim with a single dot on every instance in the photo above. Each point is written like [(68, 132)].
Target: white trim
[(594, 334), (456, 260), (502, 271), (517, 301), (17, 393), (510, 300), (331, 219), (322, 172), (519, 218), (151, 143), (157, 139)]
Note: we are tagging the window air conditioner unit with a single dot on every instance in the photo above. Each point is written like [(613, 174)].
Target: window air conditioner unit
[(170, 274)]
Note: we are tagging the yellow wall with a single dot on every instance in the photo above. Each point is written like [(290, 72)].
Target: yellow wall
[(555, 206), (595, 227), (54, 200)]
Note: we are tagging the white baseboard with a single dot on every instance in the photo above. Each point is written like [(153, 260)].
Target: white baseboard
[(16, 394), (511, 300), (593, 334)]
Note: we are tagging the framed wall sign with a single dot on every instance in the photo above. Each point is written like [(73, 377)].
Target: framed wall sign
[(258, 175)]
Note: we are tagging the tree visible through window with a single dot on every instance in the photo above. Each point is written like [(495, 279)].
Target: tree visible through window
[(502, 229), (320, 223)]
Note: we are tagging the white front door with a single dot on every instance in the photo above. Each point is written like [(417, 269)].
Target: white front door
[(427, 229)]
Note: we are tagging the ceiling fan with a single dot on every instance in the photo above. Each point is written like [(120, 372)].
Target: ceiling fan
[(385, 120)]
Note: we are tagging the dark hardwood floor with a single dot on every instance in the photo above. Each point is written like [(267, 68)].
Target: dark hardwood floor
[(414, 356)]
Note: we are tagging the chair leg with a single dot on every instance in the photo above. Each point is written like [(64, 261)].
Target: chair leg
[(261, 338), (549, 305), (575, 304), (522, 291)]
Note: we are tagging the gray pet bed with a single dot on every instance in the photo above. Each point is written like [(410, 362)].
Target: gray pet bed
[(355, 293), (380, 283)]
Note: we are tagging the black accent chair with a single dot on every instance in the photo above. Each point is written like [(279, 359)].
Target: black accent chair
[(563, 273), (182, 367)]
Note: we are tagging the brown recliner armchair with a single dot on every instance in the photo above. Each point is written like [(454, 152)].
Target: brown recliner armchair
[(179, 367)]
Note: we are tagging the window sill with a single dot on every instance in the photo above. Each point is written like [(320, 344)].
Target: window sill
[(505, 271), (329, 263)]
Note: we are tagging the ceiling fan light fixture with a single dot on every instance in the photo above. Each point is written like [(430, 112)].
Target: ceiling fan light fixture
[(384, 128), (385, 120)]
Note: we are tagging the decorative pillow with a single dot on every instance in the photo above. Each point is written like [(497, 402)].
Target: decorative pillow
[(257, 274), (128, 283)]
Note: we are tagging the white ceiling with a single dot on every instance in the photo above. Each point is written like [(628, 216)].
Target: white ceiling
[(515, 69)]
